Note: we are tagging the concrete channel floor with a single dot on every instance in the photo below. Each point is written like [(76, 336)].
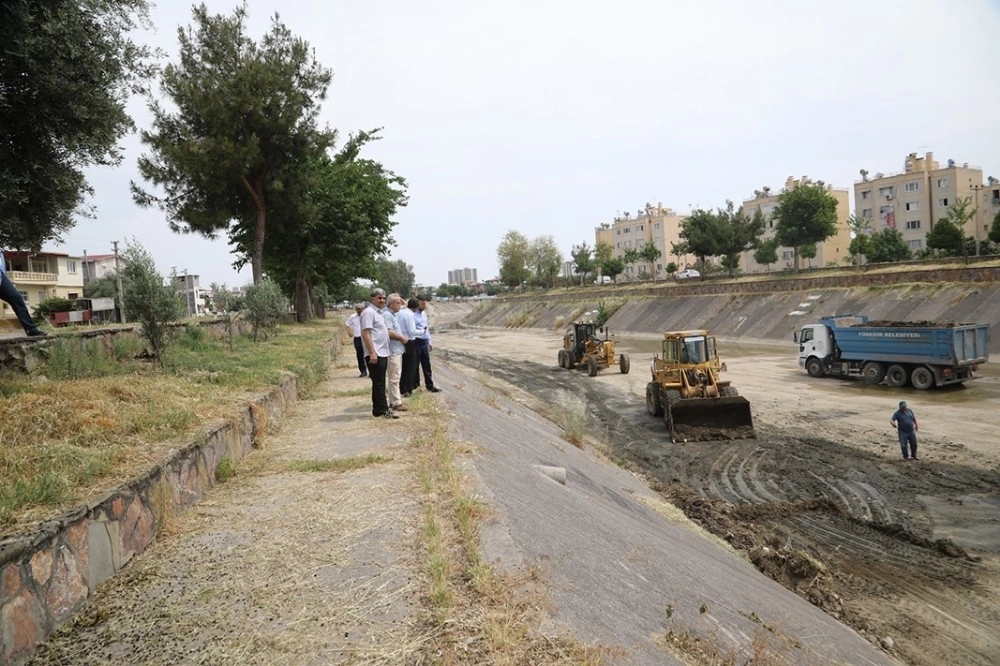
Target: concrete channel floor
[(285, 566)]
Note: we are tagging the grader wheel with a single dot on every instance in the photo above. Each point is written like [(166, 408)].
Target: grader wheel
[(592, 366), (624, 364)]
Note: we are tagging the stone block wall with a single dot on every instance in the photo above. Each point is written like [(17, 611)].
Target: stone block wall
[(47, 575)]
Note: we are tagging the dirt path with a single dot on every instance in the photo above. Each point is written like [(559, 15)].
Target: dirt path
[(821, 499)]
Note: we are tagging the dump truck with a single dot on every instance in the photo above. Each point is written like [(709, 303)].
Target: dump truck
[(922, 354), (687, 391), (583, 348)]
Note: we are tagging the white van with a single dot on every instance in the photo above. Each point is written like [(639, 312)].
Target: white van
[(603, 279)]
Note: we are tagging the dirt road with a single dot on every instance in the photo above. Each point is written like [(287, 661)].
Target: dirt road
[(821, 500)]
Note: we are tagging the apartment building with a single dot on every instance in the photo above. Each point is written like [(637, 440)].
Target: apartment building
[(42, 275), (467, 276), (831, 251), (913, 200), (652, 224), (97, 266)]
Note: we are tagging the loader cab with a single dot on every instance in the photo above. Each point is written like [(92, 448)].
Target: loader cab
[(689, 349)]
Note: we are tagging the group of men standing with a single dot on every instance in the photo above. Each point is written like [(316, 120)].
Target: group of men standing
[(392, 340)]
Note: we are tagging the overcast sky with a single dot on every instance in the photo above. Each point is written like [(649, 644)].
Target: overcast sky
[(551, 117)]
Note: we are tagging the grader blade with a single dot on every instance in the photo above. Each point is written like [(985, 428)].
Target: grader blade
[(703, 419)]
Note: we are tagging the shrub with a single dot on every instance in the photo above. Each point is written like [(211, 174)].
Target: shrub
[(265, 304), (146, 300)]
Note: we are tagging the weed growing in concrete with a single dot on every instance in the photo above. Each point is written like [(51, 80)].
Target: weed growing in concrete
[(572, 415), (225, 470)]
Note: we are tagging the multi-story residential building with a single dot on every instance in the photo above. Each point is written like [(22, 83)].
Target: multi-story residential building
[(189, 288), (43, 275), (986, 200), (912, 201), (652, 224), (96, 266), (831, 251), (466, 276)]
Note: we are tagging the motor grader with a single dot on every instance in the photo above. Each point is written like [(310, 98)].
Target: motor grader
[(696, 405), (583, 348)]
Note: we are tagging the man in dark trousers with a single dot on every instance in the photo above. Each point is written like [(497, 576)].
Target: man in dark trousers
[(353, 324), (905, 423), (375, 338), (10, 294), (410, 378), (424, 346)]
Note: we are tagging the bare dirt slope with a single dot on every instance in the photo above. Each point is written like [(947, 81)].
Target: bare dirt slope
[(821, 499)]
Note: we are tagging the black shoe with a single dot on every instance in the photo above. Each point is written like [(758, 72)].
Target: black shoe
[(37, 333), (390, 415), (363, 374), (433, 389)]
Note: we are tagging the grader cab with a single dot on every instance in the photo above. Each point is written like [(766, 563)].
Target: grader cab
[(687, 391), (583, 348)]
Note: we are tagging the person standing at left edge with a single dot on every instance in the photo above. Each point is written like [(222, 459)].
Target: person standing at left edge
[(375, 337), (905, 423), (10, 294)]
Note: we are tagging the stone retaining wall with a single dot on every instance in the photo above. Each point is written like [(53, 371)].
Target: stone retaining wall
[(47, 575)]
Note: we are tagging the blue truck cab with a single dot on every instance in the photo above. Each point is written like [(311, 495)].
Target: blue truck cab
[(899, 353)]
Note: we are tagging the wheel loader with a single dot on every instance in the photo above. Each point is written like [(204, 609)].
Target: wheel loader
[(696, 405), (583, 348)]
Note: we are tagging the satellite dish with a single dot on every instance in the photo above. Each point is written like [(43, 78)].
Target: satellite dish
[(951, 164)]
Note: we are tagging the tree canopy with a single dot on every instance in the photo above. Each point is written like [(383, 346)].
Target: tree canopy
[(67, 68), (512, 255), (946, 238), (583, 261), (243, 125), (545, 260), (803, 215), (700, 234), (396, 277), (888, 245)]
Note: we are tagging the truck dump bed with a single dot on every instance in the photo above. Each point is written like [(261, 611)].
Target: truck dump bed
[(905, 342)]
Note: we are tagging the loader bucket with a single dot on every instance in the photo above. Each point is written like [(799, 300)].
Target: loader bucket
[(701, 419)]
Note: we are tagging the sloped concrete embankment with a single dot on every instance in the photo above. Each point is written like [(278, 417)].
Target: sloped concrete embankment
[(751, 314), (46, 575)]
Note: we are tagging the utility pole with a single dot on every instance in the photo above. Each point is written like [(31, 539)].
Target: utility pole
[(975, 214), (118, 280)]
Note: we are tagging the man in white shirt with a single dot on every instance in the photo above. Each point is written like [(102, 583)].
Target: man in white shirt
[(375, 338), (353, 324)]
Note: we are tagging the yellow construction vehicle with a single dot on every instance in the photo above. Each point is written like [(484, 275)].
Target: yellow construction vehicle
[(582, 347), (686, 391)]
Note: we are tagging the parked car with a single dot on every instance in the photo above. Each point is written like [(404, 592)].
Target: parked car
[(687, 274), (603, 279)]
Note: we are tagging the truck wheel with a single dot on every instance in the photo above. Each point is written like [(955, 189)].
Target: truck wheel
[(653, 404), (897, 376), (592, 366), (624, 364), (922, 378), (873, 372), (814, 367)]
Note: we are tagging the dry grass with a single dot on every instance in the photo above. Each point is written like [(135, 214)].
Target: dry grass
[(702, 644), (65, 441), (571, 413)]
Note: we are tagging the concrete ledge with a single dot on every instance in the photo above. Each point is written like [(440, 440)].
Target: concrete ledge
[(46, 575)]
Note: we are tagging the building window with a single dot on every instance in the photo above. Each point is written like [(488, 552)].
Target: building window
[(71, 266), (867, 213), (912, 187), (787, 254), (913, 205), (913, 224), (73, 296), (656, 225), (943, 202), (942, 183), (24, 295), (639, 228), (866, 194), (915, 245), (885, 191)]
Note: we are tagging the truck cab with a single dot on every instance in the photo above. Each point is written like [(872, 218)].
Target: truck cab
[(814, 341)]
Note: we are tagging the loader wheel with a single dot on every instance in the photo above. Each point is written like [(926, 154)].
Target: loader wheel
[(653, 404), (729, 392), (922, 378), (562, 358), (570, 359), (592, 366), (624, 364), (873, 372), (814, 367), (670, 398), (897, 376)]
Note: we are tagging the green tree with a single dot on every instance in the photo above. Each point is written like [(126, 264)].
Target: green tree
[(512, 256), (613, 267), (994, 234), (860, 248), (583, 261), (888, 245), (803, 215), (960, 214), (650, 253), (396, 276), (265, 305), (739, 233), (545, 260), (701, 233), (630, 256), (146, 300), (244, 127), (671, 268), (946, 238), (105, 286), (766, 253), (808, 252), (67, 68), (603, 252), (860, 227)]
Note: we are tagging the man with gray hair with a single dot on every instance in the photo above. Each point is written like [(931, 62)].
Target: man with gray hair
[(397, 345), (375, 338)]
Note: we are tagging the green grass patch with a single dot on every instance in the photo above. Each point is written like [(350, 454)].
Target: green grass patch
[(338, 465)]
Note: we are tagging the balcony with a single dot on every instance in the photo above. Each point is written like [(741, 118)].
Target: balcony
[(19, 277)]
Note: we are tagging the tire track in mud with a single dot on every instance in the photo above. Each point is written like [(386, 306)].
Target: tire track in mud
[(852, 511)]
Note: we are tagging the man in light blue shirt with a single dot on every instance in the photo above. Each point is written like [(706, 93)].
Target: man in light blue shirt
[(10, 294), (408, 379), (424, 346)]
